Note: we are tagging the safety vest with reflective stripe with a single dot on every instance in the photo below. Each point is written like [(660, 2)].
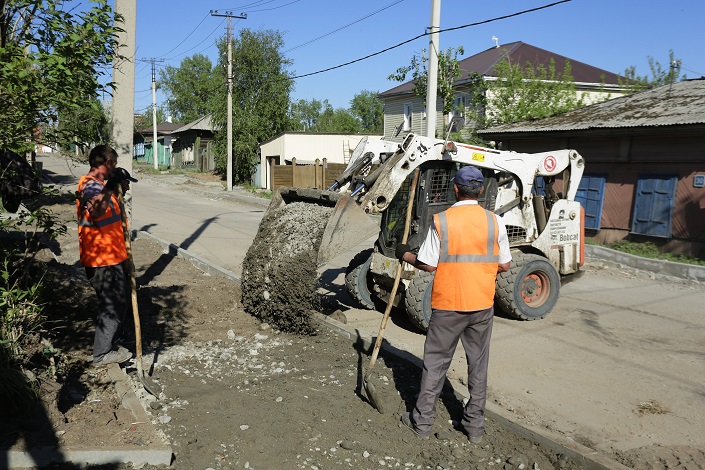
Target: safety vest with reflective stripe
[(468, 259), (101, 240)]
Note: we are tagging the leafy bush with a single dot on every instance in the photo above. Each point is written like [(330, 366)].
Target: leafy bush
[(21, 304)]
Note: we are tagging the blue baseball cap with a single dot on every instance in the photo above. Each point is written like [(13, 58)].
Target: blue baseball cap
[(469, 176)]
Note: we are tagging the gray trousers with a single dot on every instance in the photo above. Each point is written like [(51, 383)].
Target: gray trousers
[(444, 330), (112, 286)]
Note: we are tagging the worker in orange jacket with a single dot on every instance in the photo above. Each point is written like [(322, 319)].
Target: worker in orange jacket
[(466, 247), (102, 249)]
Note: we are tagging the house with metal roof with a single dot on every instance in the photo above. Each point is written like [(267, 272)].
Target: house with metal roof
[(404, 112), (644, 163), (193, 147), (143, 148)]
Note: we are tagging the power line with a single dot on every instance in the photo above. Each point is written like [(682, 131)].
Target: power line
[(427, 34), (345, 26), (189, 35), (274, 8), (689, 70), (204, 40), (257, 4)]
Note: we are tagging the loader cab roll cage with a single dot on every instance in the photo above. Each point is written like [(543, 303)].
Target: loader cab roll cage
[(434, 194)]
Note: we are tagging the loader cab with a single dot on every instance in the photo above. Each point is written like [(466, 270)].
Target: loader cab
[(434, 194)]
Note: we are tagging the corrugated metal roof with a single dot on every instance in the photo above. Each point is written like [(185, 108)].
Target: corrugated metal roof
[(519, 52), (201, 124), (669, 105), (163, 128)]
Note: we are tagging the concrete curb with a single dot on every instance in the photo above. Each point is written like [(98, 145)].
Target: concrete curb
[(155, 454), (660, 267)]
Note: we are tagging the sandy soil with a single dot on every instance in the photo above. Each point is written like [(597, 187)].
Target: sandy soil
[(238, 393)]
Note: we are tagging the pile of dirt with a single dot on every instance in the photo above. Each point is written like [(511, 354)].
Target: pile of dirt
[(279, 271)]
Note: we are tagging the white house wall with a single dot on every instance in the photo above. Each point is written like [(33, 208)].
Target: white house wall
[(394, 116), (306, 148)]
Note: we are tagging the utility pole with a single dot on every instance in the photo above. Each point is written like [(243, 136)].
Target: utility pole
[(229, 15), (432, 85), (155, 148), (123, 101)]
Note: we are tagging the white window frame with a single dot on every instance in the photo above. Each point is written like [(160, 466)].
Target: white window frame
[(408, 116), (459, 107)]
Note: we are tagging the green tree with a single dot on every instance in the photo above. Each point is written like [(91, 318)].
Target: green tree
[(448, 72), (188, 88), (659, 75), (369, 110), (94, 120), (261, 97), (145, 120), (304, 114), (51, 61), (528, 92), (339, 121)]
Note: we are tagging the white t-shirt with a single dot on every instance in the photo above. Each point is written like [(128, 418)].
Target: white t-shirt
[(431, 247)]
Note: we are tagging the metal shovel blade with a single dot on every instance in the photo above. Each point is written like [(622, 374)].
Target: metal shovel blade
[(372, 396)]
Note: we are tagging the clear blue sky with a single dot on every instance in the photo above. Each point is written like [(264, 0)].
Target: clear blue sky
[(319, 34)]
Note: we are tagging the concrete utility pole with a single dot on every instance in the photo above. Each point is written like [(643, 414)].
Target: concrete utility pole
[(155, 148), (432, 85), (229, 15), (123, 104)]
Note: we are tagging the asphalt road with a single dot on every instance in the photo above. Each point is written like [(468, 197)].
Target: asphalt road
[(618, 364)]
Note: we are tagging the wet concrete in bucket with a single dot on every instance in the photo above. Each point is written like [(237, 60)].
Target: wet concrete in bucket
[(279, 271)]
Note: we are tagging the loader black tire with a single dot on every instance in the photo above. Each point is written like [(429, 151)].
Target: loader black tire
[(358, 280), (530, 289), (417, 299)]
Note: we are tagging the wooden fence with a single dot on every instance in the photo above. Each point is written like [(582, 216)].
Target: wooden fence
[(319, 175)]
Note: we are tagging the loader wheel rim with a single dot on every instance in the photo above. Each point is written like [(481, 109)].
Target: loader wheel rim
[(535, 289)]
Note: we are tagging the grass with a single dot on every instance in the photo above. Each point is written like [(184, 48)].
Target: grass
[(148, 168), (260, 192), (649, 250)]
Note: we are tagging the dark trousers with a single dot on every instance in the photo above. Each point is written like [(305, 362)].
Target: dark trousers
[(445, 328), (112, 286)]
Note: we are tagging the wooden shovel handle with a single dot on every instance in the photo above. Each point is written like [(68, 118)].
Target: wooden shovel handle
[(397, 278), (133, 283)]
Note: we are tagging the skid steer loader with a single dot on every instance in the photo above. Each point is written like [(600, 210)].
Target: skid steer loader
[(544, 223)]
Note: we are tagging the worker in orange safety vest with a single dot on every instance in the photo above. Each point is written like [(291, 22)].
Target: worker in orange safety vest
[(466, 247), (102, 250)]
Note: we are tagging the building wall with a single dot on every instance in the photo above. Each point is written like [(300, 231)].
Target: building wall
[(622, 160), (394, 116), (305, 147)]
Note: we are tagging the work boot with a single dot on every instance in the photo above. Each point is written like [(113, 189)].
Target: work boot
[(475, 439), (408, 422), (117, 356)]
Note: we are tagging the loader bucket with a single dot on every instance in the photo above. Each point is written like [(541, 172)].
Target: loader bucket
[(347, 226)]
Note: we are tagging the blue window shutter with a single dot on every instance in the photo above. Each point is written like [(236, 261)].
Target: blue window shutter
[(591, 194), (539, 187), (653, 206)]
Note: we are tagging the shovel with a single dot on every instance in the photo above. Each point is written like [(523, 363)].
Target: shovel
[(367, 384), (150, 385)]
